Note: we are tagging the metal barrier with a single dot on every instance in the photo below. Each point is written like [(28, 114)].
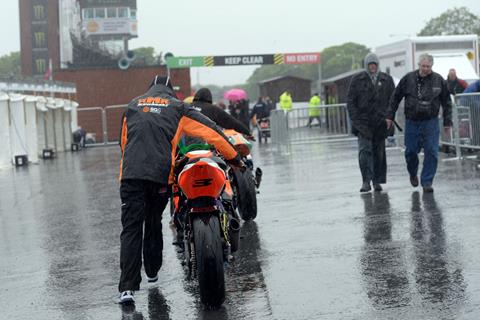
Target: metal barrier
[(465, 133), (88, 119), (112, 126), (468, 110), (295, 126), (103, 122)]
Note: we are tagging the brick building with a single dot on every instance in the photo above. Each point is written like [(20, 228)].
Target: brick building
[(68, 40), (39, 36), (102, 87)]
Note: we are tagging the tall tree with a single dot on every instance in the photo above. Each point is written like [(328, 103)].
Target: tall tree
[(146, 56), (453, 21), (343, 58), (10, 64)]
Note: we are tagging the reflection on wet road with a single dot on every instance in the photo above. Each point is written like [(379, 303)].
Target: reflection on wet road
[(317, 250)]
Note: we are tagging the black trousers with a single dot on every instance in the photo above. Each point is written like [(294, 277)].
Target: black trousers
[(372, 159), (142, 201)]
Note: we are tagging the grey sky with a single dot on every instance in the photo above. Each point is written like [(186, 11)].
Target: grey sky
[(222, 27)]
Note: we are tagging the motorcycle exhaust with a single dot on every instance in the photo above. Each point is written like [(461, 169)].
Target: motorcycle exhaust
[(258, 177), (234, 233)]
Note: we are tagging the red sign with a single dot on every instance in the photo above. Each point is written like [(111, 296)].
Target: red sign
[(302, 58)]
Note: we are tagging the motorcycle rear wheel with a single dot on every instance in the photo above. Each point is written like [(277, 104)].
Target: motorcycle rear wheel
[(209, 257)]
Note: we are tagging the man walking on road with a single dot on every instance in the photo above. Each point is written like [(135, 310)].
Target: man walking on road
[(424, 92), (152, 124), (368, 98)]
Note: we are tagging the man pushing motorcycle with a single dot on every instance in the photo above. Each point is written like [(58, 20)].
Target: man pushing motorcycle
[(152, 125)]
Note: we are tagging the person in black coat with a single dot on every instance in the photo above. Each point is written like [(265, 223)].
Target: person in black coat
[(368, 99), (260, 110), (203, 101)]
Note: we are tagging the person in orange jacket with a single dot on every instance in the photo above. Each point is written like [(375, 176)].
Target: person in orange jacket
[(152, 124)]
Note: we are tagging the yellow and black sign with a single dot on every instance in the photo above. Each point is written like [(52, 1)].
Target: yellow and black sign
[(208, 61), (278, 58)]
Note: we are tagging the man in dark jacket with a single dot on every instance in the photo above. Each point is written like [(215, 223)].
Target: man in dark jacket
[(367, 104), (151, 127), (424, 92), (260, 110), (203, 101)]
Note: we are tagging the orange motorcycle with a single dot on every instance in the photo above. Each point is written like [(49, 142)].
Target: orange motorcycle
[(205, 216)]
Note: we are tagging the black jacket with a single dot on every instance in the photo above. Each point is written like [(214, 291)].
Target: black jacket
[(367, 104), (423, 97), (151, 127), (261, 110), (220, 117)]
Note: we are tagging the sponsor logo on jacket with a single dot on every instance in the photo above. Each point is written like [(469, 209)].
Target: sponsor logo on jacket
[(152, 109), (153, 101)]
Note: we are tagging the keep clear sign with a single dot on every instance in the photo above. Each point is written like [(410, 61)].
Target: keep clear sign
[(243, 60)]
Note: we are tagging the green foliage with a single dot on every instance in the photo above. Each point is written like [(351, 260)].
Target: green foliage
[(451, 22), (147, 56), (10, 64), (343, 58)]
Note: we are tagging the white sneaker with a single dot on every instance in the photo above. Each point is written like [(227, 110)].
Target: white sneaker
[(151, 280), (126, 297)]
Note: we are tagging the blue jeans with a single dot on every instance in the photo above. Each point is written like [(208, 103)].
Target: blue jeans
[(422, 134)]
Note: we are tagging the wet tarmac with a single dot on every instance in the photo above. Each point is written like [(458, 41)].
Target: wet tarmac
[(317, 250)]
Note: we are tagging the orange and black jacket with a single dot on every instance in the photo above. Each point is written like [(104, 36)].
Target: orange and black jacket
[(151, 127)]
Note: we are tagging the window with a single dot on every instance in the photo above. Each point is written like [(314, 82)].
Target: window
[(111, 12), (88, 13), (41, 65), (123, 12), (39, 12), (39, 39), (100, 13), (133, 14)]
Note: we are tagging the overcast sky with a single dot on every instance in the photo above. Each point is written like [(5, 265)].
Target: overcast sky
[(226, 27)]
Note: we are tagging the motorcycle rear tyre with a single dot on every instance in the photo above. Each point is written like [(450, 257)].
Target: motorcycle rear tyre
[(209, 257)]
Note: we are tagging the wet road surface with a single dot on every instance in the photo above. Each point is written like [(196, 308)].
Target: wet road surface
[(317, 250)]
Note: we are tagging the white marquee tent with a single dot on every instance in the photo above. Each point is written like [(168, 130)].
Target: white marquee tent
[(31, 124)]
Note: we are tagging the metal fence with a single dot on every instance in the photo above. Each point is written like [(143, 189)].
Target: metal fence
[(330, 122), (466, 122), (103, 124), (334, 123)]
